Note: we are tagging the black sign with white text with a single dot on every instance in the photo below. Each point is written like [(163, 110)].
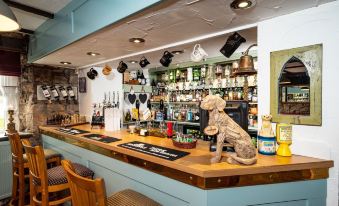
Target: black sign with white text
[(154, 150)]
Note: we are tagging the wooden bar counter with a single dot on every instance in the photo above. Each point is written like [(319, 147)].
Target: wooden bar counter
[(193, 180)]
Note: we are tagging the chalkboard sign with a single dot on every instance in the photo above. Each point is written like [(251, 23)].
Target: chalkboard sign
[(154, 150)]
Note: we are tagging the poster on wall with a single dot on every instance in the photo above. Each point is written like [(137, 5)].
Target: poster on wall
[(82, 84)]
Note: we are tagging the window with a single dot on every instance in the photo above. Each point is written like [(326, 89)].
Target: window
[(2, 113)]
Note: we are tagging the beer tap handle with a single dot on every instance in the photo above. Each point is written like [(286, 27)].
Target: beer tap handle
[(118, 99), (113, 99)]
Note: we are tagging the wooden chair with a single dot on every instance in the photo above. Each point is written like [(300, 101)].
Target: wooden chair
[(87, 192), (44, 181), (20, 164)]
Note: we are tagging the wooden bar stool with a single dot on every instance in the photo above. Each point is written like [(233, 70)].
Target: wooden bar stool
[(87, 192), (20, 164), (44, 181)]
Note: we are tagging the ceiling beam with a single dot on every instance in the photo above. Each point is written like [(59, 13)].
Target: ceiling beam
[(29, 9), (26, 31)]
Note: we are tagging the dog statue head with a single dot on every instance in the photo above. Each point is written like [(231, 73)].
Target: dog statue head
[(266, 117), (211, 102)]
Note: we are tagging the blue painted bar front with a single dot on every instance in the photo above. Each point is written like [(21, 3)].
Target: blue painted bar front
[(119, 175)]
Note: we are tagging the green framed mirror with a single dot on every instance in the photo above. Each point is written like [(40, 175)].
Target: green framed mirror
[(296, 85)]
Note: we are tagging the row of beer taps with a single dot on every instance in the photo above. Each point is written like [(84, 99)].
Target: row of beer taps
[(107, 103)]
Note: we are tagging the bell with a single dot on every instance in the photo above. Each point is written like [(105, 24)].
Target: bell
[(246, 65)]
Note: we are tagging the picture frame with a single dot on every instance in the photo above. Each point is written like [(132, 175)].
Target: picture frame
[(311, 59), (82, 85)]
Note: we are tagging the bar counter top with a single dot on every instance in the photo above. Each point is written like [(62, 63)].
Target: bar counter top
[(195, 169)]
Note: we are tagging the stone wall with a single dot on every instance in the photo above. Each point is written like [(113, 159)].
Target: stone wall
[(33, 112)]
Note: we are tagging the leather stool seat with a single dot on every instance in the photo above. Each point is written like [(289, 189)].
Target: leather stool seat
[(49, 153), (57, 175), (130, 198)]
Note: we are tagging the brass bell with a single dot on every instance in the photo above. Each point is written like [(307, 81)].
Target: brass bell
[(246, 65)]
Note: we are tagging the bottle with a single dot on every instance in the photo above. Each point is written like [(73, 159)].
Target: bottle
[(54, 92), (63, 92), (71, 92), (226, 95), (46, 93)]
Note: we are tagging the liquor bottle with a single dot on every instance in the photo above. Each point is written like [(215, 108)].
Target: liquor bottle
[(230, 94), (46, 93), (63, 92), (239, 94), (178, 96), (226, 95), (196, 74), (189, 115), (55, 93), (254, 95)]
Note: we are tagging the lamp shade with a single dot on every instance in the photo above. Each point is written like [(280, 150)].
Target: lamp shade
[(246, 64), (8, 20)]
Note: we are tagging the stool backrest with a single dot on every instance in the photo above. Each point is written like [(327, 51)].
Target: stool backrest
[(37, 166), (84, 192), (16, 148)]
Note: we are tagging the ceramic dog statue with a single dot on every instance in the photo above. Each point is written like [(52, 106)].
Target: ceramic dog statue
[(227, 129), (266, 128)]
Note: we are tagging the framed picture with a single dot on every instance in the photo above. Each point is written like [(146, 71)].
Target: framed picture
[(296, 85), (82, 84)]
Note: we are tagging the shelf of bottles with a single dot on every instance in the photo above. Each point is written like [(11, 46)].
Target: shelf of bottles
[(183, 89)]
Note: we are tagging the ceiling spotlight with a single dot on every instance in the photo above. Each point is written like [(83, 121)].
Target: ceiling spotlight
[(177, 52), (93, 54), (242, 4), (65, 63), (137, 40), (8, 20), (133, 61)]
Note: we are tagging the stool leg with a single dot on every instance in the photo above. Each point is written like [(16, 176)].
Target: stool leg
[(14, 186), (21, 187)]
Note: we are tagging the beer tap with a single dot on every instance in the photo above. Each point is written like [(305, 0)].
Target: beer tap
[(118, 104), (113, 99)]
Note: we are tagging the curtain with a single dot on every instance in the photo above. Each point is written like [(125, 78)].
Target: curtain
[(10, 63), (9, 90)]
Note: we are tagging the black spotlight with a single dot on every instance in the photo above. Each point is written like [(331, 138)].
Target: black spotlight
[(232, 43), (166, 59), (143, 62)]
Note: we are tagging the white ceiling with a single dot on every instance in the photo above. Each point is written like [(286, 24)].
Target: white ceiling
[(32, 21), (180, 21)]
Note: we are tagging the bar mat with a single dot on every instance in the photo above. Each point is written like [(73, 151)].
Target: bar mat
[(154, 150), (72, 131), (101, 138)]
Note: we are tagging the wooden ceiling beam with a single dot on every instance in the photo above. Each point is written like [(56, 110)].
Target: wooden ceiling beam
[(29, 9)]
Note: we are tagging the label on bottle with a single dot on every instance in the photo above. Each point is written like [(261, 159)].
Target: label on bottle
[(266, 146), (64, 93), (285, 133), (55, 93), (71, 93), (46, 93)]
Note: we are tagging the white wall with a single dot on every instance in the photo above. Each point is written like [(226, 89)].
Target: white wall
[(308, 27), (96, 89)]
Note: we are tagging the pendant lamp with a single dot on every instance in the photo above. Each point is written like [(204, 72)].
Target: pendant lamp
[(8, 20)]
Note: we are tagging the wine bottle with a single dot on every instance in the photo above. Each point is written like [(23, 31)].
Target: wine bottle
[(63, 92), (46, 93), (55, 93)]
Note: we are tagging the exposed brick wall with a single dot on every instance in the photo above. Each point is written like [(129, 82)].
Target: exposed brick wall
[(33, 112)]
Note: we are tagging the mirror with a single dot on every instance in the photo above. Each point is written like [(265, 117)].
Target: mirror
[(295, 93), (294, 88)]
